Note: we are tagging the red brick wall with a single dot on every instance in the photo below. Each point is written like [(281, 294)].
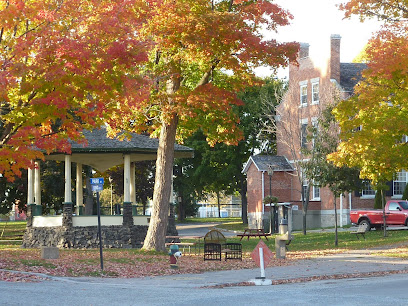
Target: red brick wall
[(292, 114), (281, 183), (254, 193)]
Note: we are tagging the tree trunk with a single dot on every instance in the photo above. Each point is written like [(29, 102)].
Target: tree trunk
[(156, 234), (336, 240), (244, 201), (384, 216), (305, 204), (181, 211)]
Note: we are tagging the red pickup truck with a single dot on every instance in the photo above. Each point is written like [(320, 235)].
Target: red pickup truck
[(396, 213)]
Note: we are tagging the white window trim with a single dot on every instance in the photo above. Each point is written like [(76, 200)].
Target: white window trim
[(300, 96), (393, 182), (302, 122), (318, 97), (313, 193)]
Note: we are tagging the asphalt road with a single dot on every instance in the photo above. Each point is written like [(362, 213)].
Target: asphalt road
[(382, 291)]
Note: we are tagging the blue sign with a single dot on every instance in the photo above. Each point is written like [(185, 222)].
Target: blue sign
[(97, 181), (97, 184)]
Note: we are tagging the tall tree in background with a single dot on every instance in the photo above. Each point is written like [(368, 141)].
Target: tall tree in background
[(219, 168), (324, 136), (373, 129), (285, 120)]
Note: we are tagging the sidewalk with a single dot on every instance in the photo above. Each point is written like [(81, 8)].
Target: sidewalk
[(352, 264)]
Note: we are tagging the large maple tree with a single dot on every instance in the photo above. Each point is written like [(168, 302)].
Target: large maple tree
[(139, 66), (197, 43), (64, 65), (373, 122)]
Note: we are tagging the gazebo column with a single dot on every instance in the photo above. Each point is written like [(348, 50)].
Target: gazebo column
[(30, 197), (79, 190), (67, 210), (127, 204), (37, 189), (133, 189)]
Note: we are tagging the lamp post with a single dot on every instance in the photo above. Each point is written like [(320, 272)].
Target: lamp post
[(110, 181), (271, 211)]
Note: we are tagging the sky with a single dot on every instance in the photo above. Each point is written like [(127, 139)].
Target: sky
[(315, 20)]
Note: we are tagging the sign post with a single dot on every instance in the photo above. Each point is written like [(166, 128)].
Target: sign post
[(97, 185), (262, 255)]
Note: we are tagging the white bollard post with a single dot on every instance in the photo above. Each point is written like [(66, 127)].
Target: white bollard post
[(261, 263)]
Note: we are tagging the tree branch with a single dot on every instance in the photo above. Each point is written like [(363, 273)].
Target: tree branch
[(205, 79)]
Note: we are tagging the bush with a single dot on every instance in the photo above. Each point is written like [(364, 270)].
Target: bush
[(405, 194), (378, 200)]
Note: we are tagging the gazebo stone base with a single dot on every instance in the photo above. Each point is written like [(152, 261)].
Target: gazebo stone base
[(113, 236)]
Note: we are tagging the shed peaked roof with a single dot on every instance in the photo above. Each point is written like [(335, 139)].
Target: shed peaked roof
[(102, 152), (262, 162)]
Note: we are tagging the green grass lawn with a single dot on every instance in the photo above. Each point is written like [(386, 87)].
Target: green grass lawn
[(313, 241), (12, 230)]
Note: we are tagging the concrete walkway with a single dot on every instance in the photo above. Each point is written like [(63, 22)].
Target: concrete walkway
[(351, 263)]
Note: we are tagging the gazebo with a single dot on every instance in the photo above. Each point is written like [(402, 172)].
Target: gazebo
[(80, 231)]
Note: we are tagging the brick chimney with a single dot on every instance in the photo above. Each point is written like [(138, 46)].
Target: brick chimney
[(304, 50), (335, 57)]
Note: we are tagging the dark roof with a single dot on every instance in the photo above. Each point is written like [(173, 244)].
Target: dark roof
[(350, 75), (102, 152), (262, 162), (98, 141)]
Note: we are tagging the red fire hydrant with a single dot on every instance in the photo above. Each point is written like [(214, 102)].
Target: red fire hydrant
[(174, 255)]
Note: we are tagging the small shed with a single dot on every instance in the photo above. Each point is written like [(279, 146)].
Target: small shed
[(266, 175)]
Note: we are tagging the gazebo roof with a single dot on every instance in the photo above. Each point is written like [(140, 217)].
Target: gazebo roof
[(102, 152)]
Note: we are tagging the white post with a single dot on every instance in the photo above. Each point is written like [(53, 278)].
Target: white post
[(79, 188), (68, 197), (30, 190), (37, 188), (126, 180), (37, 184), (132, 184), (261, 262)]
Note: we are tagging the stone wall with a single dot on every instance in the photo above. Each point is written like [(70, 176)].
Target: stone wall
[(114, 236), (68, 236)]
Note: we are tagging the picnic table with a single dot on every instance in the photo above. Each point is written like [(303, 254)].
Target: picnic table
[(254, 232)]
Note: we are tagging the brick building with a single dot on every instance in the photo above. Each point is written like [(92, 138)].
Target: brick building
[(312, 86)]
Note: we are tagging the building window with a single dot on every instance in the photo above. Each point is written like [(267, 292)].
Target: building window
[(367, 190), (315, 124), (316, 193), (303, 95), (315, 93), (303, 134), (399, 183)]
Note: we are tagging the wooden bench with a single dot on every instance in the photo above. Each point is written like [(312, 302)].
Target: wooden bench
[(361, 230), (215, 244), (254, 232)]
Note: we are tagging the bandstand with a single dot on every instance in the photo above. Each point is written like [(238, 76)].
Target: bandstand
[(72, 229)]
